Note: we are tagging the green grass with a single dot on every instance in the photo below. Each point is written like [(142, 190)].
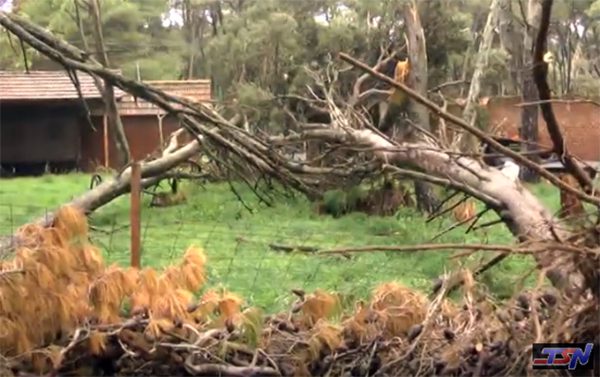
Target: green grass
[(236, 241)]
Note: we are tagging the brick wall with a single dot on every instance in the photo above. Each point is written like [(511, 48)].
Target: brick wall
[(580, 124), (142, 133)]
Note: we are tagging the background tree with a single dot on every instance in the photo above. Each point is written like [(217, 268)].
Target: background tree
[(256, 51), (529, 114)]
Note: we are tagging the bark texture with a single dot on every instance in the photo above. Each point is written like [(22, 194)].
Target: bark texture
[(470, 111), (529, 114), (511, 38), (417, 52)]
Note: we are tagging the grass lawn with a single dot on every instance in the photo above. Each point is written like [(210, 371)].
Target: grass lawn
[(236, 241)]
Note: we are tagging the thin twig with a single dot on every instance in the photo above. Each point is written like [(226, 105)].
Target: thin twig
[(556, 100), (430, 247)]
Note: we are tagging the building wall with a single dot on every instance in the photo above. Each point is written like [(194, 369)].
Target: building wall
[(142, 132), (92, 145), (580, 124), (38, 134)]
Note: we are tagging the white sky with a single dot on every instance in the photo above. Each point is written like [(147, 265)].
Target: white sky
[(174, 17), (5, 5)]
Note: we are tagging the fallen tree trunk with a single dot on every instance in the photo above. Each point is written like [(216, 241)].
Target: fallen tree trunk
[(521, 159), (521, 211)]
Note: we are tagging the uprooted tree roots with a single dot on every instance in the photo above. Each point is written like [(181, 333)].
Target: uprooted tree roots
[(62, 311)]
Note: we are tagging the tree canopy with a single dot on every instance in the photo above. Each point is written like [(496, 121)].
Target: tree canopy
[(255, 49)]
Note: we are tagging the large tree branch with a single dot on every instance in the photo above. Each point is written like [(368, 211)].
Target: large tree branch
[(108, 95), (475, 131), (540, 71), (521, 211)]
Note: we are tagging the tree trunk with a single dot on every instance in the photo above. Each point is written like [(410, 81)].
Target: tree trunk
[(190, 28), (417, 52), (469, 53), (470, 111), (529, 114), (525, 216), (512, 43), (108, 94)]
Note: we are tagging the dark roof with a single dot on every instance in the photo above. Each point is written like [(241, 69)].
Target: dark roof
[(557, 165), (46, 85)]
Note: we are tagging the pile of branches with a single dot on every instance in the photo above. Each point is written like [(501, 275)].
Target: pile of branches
[(63, 312)]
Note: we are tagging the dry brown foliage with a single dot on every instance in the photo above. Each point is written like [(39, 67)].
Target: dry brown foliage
[(63, 312), (464, 211), (168, 199)]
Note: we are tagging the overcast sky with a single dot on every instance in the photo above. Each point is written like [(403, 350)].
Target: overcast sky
[(5, 5)]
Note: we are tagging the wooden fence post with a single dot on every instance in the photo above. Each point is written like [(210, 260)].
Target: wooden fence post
[(135, 214)]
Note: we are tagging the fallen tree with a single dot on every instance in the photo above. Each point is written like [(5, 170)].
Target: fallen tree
[(521, 211), (397, 332), (242, 155), (251, 156)]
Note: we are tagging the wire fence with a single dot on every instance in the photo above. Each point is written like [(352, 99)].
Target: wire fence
[(261, 261)]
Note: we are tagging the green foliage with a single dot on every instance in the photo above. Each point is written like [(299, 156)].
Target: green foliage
[(251, 95), (594, 9), (355, 195), (262, 46), (236, 242), (335, 202), (446, 32), (496, 71), (483, 118), (133, 35), (341, 201)]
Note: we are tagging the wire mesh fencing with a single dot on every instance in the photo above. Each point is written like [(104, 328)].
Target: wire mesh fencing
[(259, 259)]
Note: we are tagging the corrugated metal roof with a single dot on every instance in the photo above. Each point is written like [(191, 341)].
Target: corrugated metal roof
[(192, 90), (46, 85)]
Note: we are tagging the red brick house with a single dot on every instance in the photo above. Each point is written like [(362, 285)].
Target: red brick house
[(43, 122)]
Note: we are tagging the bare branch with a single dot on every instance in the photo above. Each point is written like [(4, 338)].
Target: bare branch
[(521, 249), (473, 130), (447, 84), (540, 71), (555, 100)]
